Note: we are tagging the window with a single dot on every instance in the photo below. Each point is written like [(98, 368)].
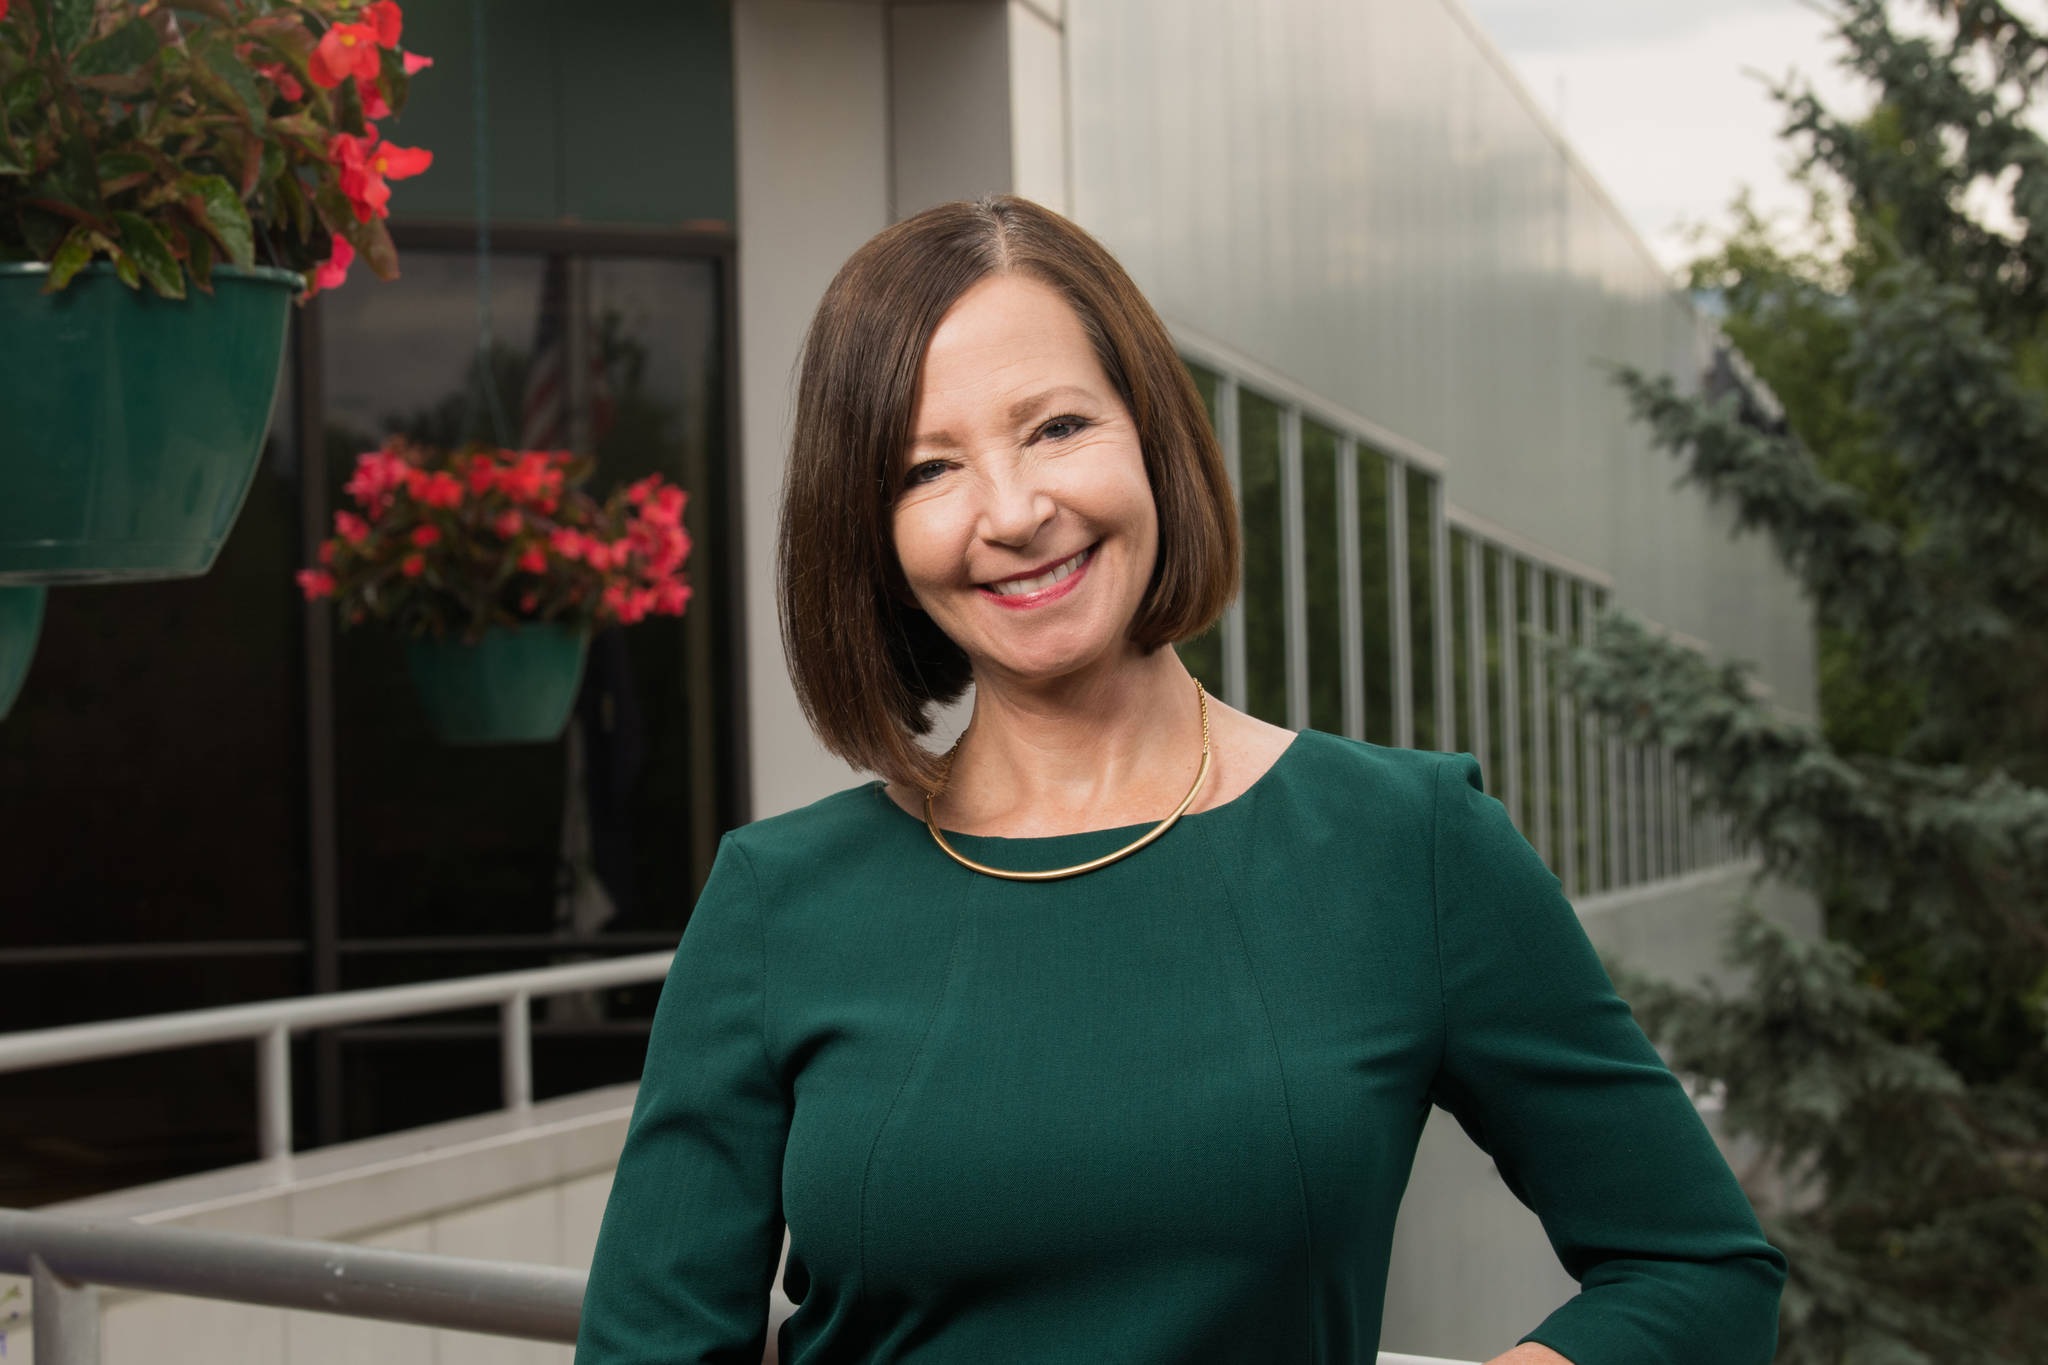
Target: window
[(1322, 576), (1265, 594), (1203, 655), (1422, 609), (1376, 593)]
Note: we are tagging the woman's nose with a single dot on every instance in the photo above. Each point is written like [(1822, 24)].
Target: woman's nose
[(1015, 506)]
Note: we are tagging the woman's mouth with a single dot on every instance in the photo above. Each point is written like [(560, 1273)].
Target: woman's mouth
[(1055, 583)]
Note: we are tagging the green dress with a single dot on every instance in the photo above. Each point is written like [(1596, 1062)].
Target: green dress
[(1160, 1112)]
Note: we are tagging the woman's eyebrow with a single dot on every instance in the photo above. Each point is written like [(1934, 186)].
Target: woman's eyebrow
[(1019, 410)]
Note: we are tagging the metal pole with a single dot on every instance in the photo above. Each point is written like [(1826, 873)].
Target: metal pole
[(274, 1091), (516, 1061), (67, 1317)]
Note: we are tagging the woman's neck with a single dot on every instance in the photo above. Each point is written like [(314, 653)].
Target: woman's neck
[(1097, 750)]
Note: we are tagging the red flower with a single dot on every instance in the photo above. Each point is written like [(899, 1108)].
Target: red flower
[(334, 270), (366, 163), (439, 489), (483, 474), (315, 583), (566, 543), (3, 9), (385, 19), (351, 527), (532, 477), (326, 552), (345, 50), (372, 96), (424, 536), (280, 75), (509, 523), (597, 554), (529, 601), (671, 595), (378, 477), (413, 565), (535, 560), (415, 63)]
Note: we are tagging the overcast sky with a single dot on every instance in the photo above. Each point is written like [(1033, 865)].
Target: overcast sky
[(1659, 99)]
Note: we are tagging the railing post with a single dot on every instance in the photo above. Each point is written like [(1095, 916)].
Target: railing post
[(516, 1058), (274, 1091), (67, 1317)]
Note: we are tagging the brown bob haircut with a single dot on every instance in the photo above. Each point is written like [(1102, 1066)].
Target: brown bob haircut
[(868, 663)]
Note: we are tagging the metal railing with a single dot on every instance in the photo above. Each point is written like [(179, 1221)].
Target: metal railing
[(68, 1259), (270, 1024)]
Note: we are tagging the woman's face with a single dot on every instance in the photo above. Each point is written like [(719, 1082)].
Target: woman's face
[(1024, 464)]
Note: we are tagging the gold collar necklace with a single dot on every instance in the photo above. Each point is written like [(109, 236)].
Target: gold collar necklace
[(1201, 698)]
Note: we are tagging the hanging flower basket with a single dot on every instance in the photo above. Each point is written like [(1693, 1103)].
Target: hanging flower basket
[(134, 423), (148, 153), (517, 685), (21, 622), (496, 565)]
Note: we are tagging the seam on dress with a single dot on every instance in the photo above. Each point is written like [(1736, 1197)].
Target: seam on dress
[(761, 942), (1308, 1241), (860, 1266)]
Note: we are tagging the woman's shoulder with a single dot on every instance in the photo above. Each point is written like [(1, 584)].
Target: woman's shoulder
[(1340, 767), (848, 819)]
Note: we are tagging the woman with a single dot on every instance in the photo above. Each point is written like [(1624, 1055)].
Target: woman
[(1160, 1105)]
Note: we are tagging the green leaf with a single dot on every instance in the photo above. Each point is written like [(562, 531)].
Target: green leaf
[(71, 258), (151, 254), (378, 251), (70, 24), (23, 97), (239, 80), (221, 211), (11, 161), (120, 52), (116, 165), (199, 261), (125, 271)]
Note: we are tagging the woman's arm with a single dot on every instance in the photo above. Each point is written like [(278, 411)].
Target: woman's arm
[(1546, 1069), (686, 1253)]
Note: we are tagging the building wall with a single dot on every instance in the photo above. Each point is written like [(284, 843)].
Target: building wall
[(810, 96), (1361, 198)]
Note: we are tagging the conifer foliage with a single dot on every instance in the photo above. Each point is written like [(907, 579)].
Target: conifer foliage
[(1894, 1074)]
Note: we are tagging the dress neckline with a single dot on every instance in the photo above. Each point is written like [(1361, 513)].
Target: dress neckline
[(1048, 841)]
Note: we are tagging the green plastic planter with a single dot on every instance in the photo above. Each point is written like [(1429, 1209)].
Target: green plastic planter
[(21, 622), (516, 686), (133, 423)]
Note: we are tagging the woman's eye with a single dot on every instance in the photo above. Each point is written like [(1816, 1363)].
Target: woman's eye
[(915, 474), (1076, 423)]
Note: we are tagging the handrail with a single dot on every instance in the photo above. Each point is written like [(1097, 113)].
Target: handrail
[(270, 1023), (69, 1258)]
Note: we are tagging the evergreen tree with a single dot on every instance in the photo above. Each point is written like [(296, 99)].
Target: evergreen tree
[(1895, 1073)]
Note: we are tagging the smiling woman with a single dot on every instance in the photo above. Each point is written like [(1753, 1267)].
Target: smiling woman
[(1089, 1074), (985, 395)]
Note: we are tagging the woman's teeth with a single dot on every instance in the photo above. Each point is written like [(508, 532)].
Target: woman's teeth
[(1045, 580)]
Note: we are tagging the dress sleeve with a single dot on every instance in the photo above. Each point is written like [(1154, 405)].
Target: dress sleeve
[(692, 1230), (1545, 1068)]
